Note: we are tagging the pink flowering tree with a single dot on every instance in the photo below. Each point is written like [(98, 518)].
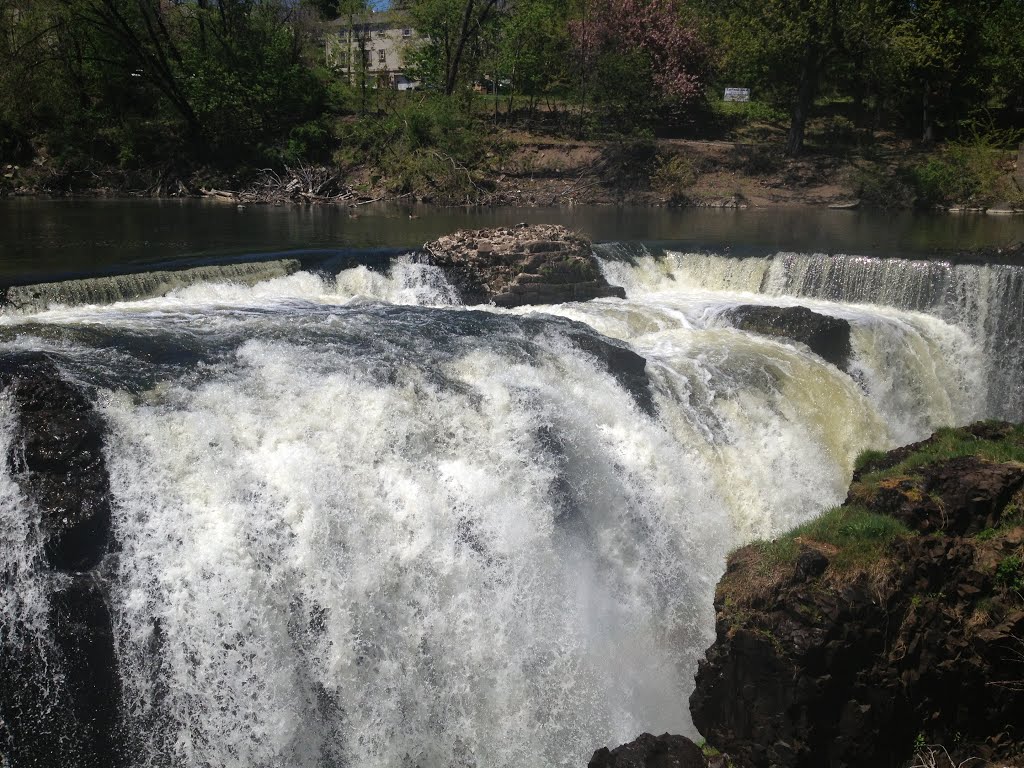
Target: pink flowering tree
[(640, 53)]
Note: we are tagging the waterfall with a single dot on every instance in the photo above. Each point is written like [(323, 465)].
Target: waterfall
[(106, 290), (985, 301), (359, 524)]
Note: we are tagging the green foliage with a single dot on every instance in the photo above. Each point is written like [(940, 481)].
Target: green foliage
[(859, 535), (426, 146), (950, 443), (749, 112), (674, 176), (1010, 573), (885, 187), (237, 83), (867, 457), (134, 82), (970, 171)]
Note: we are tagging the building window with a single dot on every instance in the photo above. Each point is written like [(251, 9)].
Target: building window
[(406, 33), (382, 56)]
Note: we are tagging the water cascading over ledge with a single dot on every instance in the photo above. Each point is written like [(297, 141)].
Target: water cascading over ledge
[(984, 300), (357, 523)]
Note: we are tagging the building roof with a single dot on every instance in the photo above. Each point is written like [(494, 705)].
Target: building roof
[(390, 19)]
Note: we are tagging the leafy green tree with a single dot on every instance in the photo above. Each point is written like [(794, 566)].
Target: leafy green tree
[(781, 49), (959, 59), (536, 49), (131, 80), (453, 30)]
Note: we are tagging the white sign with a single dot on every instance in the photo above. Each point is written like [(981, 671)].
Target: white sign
[(737, 94)]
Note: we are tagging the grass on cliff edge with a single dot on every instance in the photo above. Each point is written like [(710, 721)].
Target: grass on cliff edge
[(946, 443), (854, 536)]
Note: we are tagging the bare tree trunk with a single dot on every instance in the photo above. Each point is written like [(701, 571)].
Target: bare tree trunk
[(468, 24), (927, 121), (1018, 175), (804, 99), (452, 74)]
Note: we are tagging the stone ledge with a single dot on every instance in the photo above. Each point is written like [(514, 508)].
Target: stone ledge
[(515, 266)]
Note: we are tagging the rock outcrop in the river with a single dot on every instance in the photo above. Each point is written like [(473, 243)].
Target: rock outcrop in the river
[(60, 697), (828, 337), (628, 368), (893, 622), (513, 266)]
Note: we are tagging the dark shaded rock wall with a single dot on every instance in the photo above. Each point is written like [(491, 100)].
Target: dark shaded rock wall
[(513, 266), (60, 698), (647, 751), (820, 665)]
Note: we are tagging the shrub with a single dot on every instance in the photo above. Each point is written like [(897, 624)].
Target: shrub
[(674, 176), (972, 171), (1010, 573), (425, 146)]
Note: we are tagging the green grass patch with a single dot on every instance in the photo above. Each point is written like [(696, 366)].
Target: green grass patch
[(860, 536), (1010, 573), (950, 443), (870, 456)]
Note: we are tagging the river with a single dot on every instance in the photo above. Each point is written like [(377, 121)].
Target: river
[(360, 524)]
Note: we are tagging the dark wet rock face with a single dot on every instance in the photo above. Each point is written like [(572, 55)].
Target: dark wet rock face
[(828, 337), (628, 368), (647, 751), (976, 489), (514, 266), (820, 661), (57, 459), (60, 698)]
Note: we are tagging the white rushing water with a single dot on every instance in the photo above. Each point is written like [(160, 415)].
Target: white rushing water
[(360, 525)]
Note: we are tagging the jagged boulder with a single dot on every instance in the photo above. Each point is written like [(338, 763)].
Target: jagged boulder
[(647, 751), (628, 368), (895, 620), (828, 337), (513, 266)]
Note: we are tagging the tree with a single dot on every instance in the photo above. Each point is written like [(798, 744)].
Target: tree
[(452, 29), (130, 81), (782, 48), (641, 54), (535, 49)]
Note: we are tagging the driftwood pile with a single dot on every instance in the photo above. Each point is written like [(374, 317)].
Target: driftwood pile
[(301, 184)]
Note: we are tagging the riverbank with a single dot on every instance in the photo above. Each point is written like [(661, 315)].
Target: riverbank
[(529, 170)]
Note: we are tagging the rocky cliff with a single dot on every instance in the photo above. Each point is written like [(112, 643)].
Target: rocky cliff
[(890, 628), (59, 691), (513, 266)]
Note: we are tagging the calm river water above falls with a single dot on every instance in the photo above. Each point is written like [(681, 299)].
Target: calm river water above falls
[(40, 239), (360, 524)]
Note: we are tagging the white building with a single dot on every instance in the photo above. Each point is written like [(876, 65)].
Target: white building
[(373, 44)]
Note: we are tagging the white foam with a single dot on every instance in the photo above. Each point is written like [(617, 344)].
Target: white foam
[(378, 537), (306, 535)]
